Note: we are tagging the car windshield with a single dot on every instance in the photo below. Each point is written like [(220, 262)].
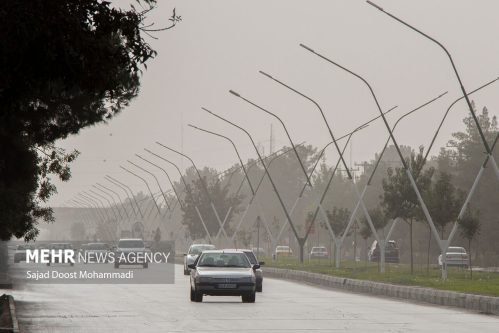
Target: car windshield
[(318, 249), (220, 259), (251, 257), (456, 250), (96, 246), (131, 243), (197, 249), (60, 246)]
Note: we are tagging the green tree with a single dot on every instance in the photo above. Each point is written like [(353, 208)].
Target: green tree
[(65, 65), (399, 200), (444, 201), (463, 158), (338, 220), (377, 217), (469, 226), (196, 197)]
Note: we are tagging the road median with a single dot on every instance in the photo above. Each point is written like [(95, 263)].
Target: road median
[(478, 303)]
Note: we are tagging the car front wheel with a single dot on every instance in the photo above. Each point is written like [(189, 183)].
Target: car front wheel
[(249, 298), (193, 295), (198, 297)]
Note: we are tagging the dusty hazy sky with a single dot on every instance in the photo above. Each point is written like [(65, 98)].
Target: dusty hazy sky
[(221, 45)]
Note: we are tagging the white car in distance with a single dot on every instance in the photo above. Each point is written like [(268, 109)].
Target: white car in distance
[(455, 256), (194, 251)]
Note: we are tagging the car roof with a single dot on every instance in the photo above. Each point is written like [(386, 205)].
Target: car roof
[(131, 239), (223, 251), (243, 250)]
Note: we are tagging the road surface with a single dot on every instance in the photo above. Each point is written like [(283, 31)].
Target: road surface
[(282, 307)]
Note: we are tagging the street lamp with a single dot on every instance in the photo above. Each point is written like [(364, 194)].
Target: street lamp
[(404, 163), (445, 116), (203, 185), (97, 197), (95, 210), (125, 187), (155, 178), (117, 195), (465, 94), (147, 185), (167, 176), (285, 130), (295, 232), (235, 149), (395, 126), (97, 203), (112, 198), (187, 190)]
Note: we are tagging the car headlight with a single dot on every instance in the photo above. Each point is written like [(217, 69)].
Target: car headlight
[(203, 279), (246, 279)]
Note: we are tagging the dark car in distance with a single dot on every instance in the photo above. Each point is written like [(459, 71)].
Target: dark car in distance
[(392, 253), (258, 272), (223, 273)]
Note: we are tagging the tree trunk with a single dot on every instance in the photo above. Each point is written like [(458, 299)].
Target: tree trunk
[(428, 254), (469, 258), (412, 258)]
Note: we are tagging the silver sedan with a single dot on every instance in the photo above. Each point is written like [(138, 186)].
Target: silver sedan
[(223, 273)]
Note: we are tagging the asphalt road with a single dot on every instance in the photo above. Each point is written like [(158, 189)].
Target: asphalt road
[(282, 307)]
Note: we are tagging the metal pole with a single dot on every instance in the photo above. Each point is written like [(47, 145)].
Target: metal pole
[(465, 94), (119, 198), (187, 188), (156, 179), (108, 202), (285, 130), (445, 116), (95, 209), (145, 182), (203, 185), (167, 176), (117, 182), (266, 172), (112, 198), (93, 199), (404, 163)]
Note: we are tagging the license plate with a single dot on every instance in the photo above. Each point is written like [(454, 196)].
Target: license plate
[(227, 286)]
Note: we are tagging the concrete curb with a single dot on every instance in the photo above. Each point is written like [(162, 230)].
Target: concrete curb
[(13, 315), (483, 304), (12, 326)]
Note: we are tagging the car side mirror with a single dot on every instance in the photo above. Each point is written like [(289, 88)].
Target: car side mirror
[(261, 263), (256, 266), (192, 266)]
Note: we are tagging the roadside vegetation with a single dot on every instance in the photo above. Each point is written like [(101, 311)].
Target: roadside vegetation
[(483, 283)]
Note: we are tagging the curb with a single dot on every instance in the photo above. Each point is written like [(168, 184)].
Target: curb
[(478, 303), (13, 315), (12, 326)]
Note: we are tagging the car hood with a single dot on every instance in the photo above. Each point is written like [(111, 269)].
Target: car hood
[(224, 271)]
